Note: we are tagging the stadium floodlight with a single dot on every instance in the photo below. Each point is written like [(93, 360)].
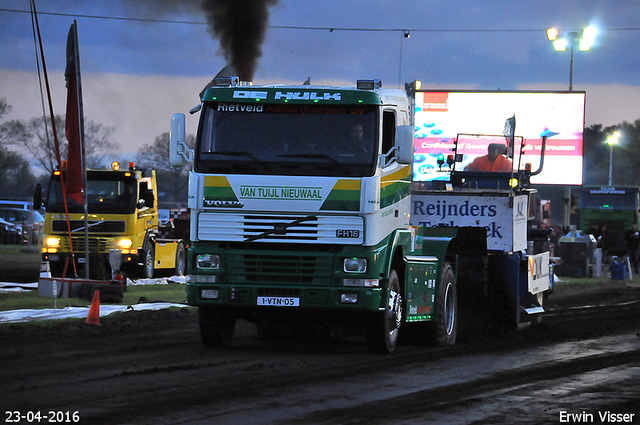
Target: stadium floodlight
[(561, 41), (588, 36), (560, 44)]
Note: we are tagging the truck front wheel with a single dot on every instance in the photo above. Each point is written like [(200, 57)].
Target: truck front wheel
[(216, 327), (444, 328), (149, 262), (382, 333), (181, 260)]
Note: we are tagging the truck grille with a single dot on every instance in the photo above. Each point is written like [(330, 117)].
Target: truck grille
[(98, 244), (94, 226), (231, 227), (279, 268)]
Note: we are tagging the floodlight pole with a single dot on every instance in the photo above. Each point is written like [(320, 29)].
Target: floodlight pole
[(610, 163), (571, 70), (571, 39), (611, 140)]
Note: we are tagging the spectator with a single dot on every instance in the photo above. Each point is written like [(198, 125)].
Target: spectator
[(633, 243), (603, 242)]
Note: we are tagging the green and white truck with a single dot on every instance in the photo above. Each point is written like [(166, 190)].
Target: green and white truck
[(302, 210)]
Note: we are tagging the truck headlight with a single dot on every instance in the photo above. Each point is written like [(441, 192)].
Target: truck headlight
[(124, 243), (208, 261), (52, 242), (355, 265)]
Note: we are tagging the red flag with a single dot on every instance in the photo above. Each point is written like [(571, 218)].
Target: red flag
[(74, 120)]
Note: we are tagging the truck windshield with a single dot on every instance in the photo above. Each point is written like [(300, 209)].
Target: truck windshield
[(316, 140), (103, 196)]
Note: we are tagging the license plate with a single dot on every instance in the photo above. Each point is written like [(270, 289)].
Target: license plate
[(279, 301)]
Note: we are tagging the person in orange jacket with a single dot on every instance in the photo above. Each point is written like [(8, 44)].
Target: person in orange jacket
[(493, 161)]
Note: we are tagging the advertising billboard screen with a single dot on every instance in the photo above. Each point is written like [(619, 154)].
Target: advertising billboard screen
[(441, 115)]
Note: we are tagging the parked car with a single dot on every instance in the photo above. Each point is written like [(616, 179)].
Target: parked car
[(9, 233), (27, 222)]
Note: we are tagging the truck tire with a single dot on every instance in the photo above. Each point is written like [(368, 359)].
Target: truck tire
[(216, 327), (149, 262), (444, 328), (181, 260), (382, 333)]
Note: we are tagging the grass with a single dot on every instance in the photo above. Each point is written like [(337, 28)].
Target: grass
[(20, 263), (174, 293)]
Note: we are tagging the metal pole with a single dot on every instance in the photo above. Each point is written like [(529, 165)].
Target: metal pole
[(566, 219), (571, 70), (402, 37)]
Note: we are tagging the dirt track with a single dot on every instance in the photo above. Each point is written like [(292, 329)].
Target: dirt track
[(149, 367)]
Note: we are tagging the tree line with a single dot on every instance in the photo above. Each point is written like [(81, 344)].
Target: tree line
[(25, 140)]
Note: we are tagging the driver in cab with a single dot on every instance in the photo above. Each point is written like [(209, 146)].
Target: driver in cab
[(355, 144), (494, 161)]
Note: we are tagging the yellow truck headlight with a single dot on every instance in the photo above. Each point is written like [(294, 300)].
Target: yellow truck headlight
[(124, 243), (52, 242)]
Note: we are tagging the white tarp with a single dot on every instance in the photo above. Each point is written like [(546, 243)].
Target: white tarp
[(27, 315), (18, 287)]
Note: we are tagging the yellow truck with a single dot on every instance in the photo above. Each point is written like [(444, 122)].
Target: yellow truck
[(122, 219)]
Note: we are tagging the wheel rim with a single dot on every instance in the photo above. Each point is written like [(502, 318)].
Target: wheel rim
[(181, 262), (149, 262), (449, 308), (395, 311)]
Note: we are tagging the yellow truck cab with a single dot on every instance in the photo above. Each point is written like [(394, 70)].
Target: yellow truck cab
[(122, 214)]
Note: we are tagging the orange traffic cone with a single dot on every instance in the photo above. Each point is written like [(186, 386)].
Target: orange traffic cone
[(93, 318)]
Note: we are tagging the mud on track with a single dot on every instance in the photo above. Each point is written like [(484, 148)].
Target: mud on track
[(149, 367)]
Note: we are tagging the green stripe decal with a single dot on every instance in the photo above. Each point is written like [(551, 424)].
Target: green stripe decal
[(395, 187), (218, 188), (345, 196)]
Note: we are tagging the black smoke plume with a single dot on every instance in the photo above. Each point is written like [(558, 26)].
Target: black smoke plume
[(240, 26)]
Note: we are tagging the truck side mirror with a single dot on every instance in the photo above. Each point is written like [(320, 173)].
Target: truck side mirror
[(147, 198), (150, 199), (404, 142), (179, 153), (37, 196)]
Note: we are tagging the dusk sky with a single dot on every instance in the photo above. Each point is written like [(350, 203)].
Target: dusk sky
[(143, 60)]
